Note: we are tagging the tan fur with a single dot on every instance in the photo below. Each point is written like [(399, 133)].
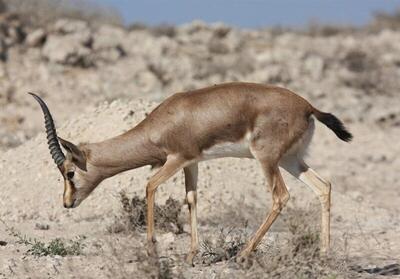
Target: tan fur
[(270, 124)]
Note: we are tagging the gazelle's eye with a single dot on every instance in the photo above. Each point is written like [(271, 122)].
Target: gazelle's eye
[(70, 174)]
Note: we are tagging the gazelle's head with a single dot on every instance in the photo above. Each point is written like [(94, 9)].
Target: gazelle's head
[(80, 178)]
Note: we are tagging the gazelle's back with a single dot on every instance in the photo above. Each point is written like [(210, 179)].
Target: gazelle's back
[(196, 120)]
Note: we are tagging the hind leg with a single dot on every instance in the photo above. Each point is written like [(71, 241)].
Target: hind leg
[(271, 138), (267, 150), (322, 188)]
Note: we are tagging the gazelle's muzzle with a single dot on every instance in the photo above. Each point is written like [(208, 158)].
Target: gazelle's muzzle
[(70, 204), (69, 199)]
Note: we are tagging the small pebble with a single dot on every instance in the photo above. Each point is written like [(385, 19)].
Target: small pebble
[(43, 227)]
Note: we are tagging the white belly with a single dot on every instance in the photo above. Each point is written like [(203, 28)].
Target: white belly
[(239, 149)]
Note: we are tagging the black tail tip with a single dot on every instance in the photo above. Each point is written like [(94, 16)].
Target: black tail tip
[(333, 123), (345, 135)]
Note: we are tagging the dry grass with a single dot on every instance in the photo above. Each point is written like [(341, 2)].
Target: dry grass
[(381, 20), (385, 20), (316, 29), (133, 218), (42, 12), (146, 266), (224, 247), (295, 255), (367, 75), (300, 256)]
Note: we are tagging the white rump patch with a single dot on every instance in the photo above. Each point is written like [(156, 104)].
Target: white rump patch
[(299, 148), (292, 158)]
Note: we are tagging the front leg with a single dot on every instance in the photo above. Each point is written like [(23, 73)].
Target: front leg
[(191, 173), (171, 166)]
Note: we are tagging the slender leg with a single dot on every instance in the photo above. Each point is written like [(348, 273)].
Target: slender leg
[(280, 196), (321, 188), (191, 173), (173, 164)]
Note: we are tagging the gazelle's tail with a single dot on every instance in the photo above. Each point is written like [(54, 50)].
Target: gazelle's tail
[(333, 123)]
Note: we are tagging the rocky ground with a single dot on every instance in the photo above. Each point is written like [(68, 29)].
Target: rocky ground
[(100, 80)]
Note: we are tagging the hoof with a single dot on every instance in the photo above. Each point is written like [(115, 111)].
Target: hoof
[(243, 258), (189, 260), (151, 249), (190, 257), (323, 253)]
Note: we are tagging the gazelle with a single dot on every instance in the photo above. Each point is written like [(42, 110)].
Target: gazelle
[(270, 124)]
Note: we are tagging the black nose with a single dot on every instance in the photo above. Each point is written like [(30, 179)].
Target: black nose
[(69, 206)]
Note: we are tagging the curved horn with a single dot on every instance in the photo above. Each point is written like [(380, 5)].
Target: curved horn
[(52, 140)]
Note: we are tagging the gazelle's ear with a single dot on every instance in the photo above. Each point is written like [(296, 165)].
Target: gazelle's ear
[(78, 156)]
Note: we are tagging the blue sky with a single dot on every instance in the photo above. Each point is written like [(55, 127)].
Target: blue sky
[(251, 13)]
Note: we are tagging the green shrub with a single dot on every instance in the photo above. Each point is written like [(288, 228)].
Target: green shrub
[(56, 247)]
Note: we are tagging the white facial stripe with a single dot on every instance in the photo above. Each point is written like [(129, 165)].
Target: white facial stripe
[(76, 183)]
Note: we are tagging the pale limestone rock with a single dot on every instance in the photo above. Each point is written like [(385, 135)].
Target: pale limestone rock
[(36, 38), (68, 49), (67, 26)]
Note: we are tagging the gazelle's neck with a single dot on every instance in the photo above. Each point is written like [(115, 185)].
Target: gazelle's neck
[(124, 152)]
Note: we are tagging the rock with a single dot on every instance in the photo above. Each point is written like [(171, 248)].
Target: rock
[(3, 49), (167, 238), (194, 27), (108, 43), (66, 26), (108, 37), (17, 35), (234, 40), (70, 45), (147, 81), (69, 49), (3, 76), (196, 32), (3, 243), (220, 29), (11, 29), (3, 7), (109, 55), (217, 46), (36, 38), (314, 65), (42, 227)]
